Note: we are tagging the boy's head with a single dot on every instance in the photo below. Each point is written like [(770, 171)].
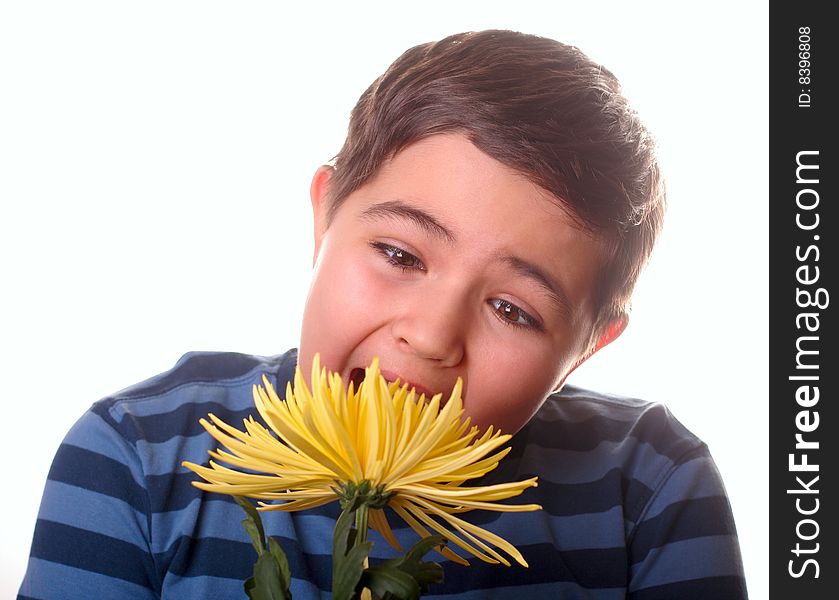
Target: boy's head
[(487, 217)]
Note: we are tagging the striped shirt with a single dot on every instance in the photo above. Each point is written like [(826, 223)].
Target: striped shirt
[(633, 505)]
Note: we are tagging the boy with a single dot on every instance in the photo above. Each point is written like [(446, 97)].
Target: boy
[(486, 218)]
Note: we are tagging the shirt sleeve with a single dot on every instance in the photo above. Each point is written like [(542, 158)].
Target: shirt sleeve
[(92, 534), (685, 544)]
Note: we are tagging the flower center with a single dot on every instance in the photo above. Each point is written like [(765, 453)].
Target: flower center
[(352, 495)]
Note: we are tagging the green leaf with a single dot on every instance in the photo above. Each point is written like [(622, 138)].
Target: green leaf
[(347, 557), (253, 532), (267, 581), (423, 573), (282, 562), (423, 547), (271, 574), (383, 579), (427, 573), (341, 533), (252, 524), (347, 570)]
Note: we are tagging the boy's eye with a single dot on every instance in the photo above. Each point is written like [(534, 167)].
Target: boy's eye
[(511, 314), (399, 257)]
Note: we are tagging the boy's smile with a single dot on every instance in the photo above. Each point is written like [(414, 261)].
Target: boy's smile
[(447, 263)]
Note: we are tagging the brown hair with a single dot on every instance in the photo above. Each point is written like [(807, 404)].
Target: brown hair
[(538, 106)]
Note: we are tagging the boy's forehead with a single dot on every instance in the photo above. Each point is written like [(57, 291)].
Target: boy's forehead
[(442, 161), (450, 166)]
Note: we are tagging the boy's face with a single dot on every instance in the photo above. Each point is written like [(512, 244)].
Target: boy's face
[(448, 263)]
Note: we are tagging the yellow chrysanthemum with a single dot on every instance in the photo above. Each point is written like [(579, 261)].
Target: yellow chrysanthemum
[(414, 452)]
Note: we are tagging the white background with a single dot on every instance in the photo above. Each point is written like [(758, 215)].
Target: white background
[(155, 159)]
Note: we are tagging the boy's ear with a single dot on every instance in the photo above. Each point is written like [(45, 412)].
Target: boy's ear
[(318, 194), (613, 331)]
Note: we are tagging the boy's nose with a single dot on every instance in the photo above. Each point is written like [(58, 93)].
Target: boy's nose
[(433, 329)]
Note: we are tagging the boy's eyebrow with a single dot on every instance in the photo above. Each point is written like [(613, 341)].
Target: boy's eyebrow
[(553, 288), (397, 208)]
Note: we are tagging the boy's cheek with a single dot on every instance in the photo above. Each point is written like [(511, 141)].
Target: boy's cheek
[(509, 382), (500, 409), (347, 303), (353, 292)]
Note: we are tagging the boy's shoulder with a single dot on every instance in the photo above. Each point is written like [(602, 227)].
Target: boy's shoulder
[(198, 384), (592, 417), (208, 368)]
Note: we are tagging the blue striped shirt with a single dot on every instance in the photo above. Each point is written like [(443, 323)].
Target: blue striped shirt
[(634, 506)]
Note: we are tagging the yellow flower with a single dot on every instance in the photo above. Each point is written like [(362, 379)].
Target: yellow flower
[(416, 455)]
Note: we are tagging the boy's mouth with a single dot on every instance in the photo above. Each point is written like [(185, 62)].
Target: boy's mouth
[(357, 376)]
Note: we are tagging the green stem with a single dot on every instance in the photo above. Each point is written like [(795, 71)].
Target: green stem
[(361, 524)]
